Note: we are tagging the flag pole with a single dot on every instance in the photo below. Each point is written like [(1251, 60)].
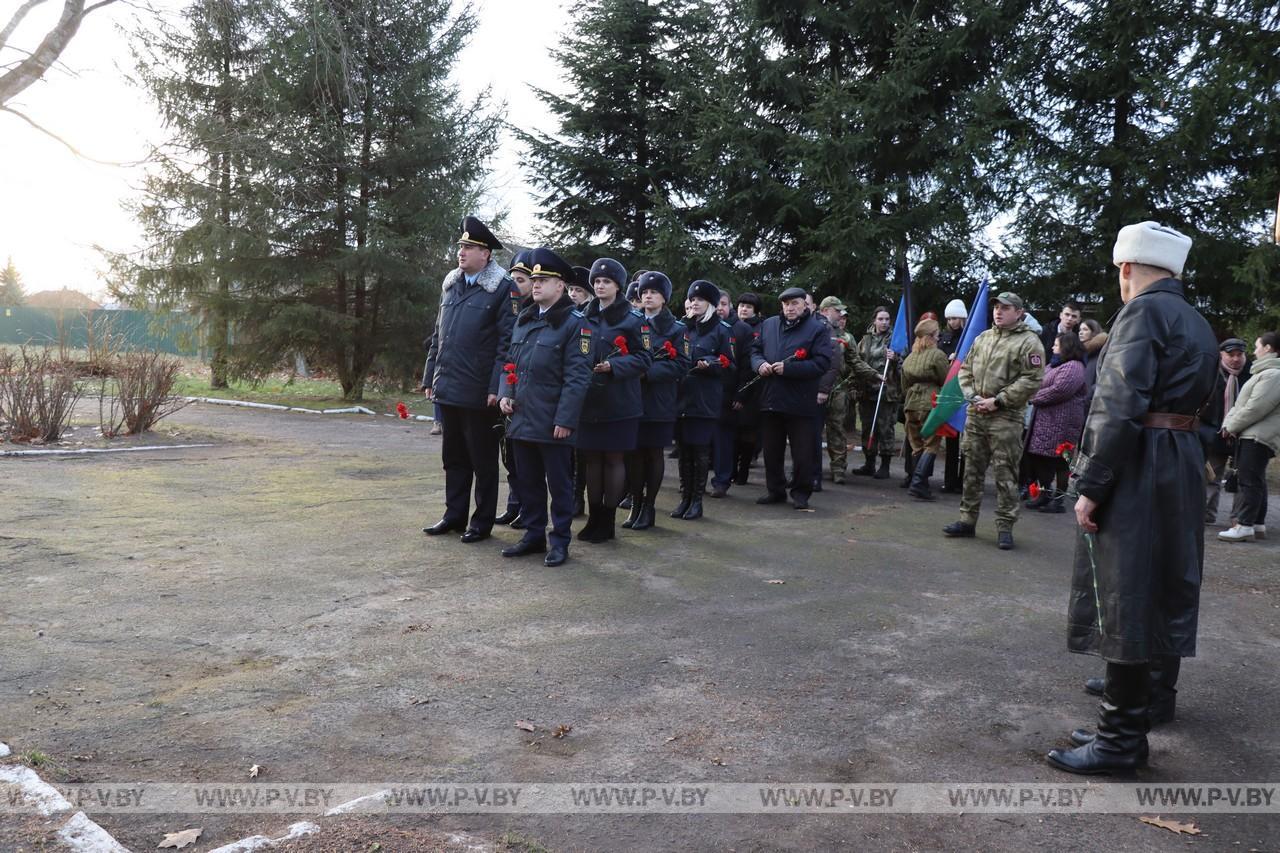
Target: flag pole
[(879, 396)]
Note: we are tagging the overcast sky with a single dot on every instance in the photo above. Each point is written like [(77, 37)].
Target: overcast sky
[(55, 206)]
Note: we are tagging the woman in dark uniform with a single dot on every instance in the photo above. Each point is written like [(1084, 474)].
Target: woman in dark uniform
[(611, 417), (665, 338), (701, 394)]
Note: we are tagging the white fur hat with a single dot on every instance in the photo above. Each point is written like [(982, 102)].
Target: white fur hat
[(1152, 244), (955, 308)]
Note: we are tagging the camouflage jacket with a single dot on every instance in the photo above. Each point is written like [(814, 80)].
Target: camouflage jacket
[(1007, 364), (847, 367)]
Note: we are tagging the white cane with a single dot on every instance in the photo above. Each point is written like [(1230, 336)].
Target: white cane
[(879, 396)]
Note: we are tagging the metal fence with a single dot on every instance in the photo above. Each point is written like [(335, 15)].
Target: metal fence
[(175, 333)]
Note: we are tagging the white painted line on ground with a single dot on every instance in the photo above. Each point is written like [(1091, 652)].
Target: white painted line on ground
[(81, 835), (258, 842), (42, 796), (275, 407), (360, 803), (86, 451)]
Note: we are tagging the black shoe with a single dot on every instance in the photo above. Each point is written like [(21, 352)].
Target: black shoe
[(1094, 686), (512, 513), (868, 468), (700, 468), (637, 510), (922, 492), (579, 507), (686, 485), (957, 529), (556, 556), (1004, 540), (772, 498), (800, 501), (952, 490), (519, 523), (817, 486), (524, 547), (599, 526), (718, 491), (625, 503), (1037, 502), (588, 531), (442, 526), (471, 536)]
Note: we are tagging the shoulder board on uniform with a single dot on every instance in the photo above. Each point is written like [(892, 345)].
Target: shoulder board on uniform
[(578, 314), (637, 313), (725, 324)]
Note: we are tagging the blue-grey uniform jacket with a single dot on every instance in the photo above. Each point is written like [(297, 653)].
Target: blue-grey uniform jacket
[(795, 392), (473, 331), (661, 383), (552, 373), (702, 391), (615, 396)]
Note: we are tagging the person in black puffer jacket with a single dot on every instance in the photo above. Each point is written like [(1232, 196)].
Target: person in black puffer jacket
[(745, 397), (664, 337), (611, 416), (701, 393)]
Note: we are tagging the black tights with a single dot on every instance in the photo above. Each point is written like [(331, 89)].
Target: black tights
[(1048, 471), (645, 467), (606, 477)]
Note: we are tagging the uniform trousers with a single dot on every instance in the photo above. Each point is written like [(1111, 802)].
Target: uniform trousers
[(722, 452), (991, 441), (469, 451), (545, 470), (776, 430)]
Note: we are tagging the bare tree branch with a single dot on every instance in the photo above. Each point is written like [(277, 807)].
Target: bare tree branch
[(17, 19), (70, 147), (55, 41)]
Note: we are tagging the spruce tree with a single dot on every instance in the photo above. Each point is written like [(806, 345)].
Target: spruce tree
[(11, 293), (615, 166)]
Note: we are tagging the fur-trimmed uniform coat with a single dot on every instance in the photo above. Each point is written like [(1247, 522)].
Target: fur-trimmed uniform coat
[(473, 331)]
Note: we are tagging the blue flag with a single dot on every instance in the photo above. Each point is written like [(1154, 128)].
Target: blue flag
[(901, 340), (979, 321)]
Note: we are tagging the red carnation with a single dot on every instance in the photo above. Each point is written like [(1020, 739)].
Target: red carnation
[(801, 354), (402, 410), (1065, 447), (670, 348), (511, 379), (1034, 491), (621, 343), (724, 361), (509, 367)]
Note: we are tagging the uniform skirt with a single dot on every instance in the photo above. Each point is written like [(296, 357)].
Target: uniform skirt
[(697, 430), (610, 436), (656, 433)]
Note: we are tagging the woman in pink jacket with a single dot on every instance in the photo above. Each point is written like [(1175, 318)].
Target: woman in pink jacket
[(1058, 418)]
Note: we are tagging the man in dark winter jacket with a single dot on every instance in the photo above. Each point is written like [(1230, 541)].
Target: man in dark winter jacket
[(543, 390), (791, 354), (1233, 372), (725, 447), (1135, 592), (478, 306)]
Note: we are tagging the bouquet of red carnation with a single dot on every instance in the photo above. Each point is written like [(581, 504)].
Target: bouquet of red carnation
[(668, 351), (403, 411), (619, 348), (510, 368)]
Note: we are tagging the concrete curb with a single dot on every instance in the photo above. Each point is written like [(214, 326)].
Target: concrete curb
[(276, 407), (258, 842), (81, 835), (86, 451), (44, 797)]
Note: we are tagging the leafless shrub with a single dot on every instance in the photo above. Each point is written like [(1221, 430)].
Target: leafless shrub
[(37, 395), (143, 393), (102, 344)]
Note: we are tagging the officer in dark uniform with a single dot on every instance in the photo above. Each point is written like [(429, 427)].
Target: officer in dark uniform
[(521, 267), (580, 292), (725, 447), (664, 336), (611, 415), (702, 392), (543, 395), (478, 307), (791, 354)]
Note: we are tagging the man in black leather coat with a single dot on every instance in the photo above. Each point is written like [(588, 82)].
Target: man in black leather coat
[(1135, 591)]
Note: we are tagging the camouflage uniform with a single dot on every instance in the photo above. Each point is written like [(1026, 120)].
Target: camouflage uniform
[(872, 349), (851, 370), (1007, 364)]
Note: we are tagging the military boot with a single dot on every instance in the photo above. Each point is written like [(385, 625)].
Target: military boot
[(882, 473), (868, 468), (686, 483), (909, 470), (1120, 745), (698, 483), (920, 480)]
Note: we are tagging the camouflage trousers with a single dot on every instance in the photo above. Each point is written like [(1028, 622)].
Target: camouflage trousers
[(988, 441), (835, 435), (920, 444), (885, 444)]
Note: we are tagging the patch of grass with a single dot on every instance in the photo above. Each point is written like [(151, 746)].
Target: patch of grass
[(38, 760), (517, 843)]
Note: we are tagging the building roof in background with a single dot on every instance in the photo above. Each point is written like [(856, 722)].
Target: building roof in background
[(64, 298)]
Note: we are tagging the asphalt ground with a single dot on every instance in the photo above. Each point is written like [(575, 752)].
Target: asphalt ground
[(184, 614)]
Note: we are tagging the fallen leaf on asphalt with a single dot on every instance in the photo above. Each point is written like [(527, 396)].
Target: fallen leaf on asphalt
[(255, 771), (526, 726), (180, 839), (673, 737), (1172, 825), (718, 761), (413, 628), (561, 731), (416, 701), (775, 580), (405, 598)]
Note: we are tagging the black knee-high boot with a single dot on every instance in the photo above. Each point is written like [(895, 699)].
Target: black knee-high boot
[(686, 481), (635, 486), (654, 467), (1120, 744), (698, 483)]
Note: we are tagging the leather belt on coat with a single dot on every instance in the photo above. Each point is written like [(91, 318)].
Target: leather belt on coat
[(1169, 420)]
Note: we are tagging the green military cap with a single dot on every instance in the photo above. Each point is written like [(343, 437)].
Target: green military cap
[(1010, 298), (833, 302)]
